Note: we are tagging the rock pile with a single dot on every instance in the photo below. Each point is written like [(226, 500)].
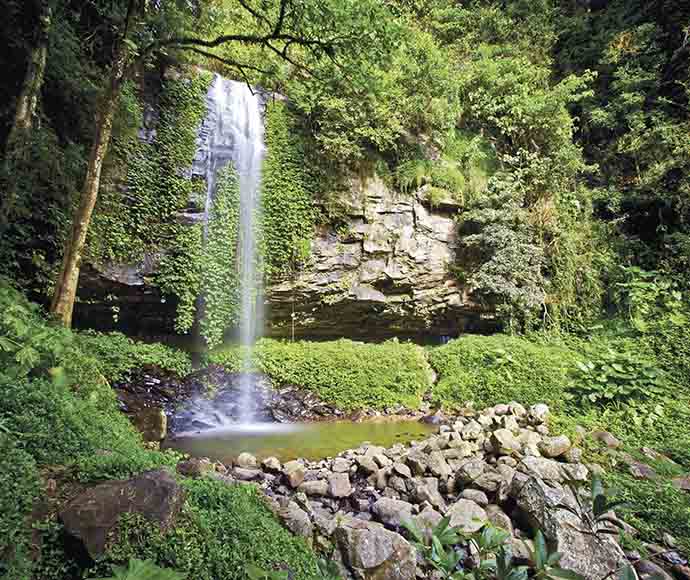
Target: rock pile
[(499, 466)]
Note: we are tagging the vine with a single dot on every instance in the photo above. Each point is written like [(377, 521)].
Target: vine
[(288, 214), (221, 285)]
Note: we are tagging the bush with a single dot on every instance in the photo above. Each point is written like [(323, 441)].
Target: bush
[(221, 529), (350, 375), (19, 487), (487, 370), (116, 354)]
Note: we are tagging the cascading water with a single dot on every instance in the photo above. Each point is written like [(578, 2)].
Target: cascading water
[(234, 132)]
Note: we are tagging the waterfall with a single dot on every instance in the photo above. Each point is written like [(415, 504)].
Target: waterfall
[(234, 132)]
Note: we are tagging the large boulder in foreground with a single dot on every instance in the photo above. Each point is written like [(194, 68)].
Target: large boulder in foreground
[(91, 516), (556, 512), (374, 553)]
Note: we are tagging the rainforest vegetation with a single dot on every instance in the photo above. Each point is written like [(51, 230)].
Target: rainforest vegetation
[(559, 130)]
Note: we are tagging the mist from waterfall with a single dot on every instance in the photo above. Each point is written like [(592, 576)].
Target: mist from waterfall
[(236, 135)]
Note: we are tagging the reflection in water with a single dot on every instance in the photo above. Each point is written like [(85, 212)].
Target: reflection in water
[(311, 441)]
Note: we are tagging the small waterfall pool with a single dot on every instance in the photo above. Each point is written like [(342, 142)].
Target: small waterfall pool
[(312, 441)]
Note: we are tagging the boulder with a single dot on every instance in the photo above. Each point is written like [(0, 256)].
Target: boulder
[(554, 446), (392, 512), (542, 468), (682, 483), (438, 466), (467, 516), (426, 490), (296, 520), (93, 515), (648, 570), (505, 442), (152, 423), (341, 465), (498, 518), (367, 465), (272, 464), (471, 470), (316, 488), (427, 520), (555, 511), (606, 438), (339, 485), (418, 461), (246, 461), (373, 553), (402, 470), (538, 414), (247, 474), (294, 473), (195, 467), (471, 431), (475, 495)]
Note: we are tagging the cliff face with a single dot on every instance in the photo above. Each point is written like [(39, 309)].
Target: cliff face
[(387, 274)]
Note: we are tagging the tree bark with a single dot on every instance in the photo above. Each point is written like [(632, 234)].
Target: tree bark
[(66, 288), (17, 143)]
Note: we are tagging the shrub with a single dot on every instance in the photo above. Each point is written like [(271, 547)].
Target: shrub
[(116, 354), (616, 376), (19, 486), (350, 375), (221, 528), (487, 370)]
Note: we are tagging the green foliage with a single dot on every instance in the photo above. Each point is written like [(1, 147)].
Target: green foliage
[(19, 487), (143, 570), (221, 528), (147, 184), (487, 370), (287, 207), (221, 285), (350, 375), (616, 376), (491, 554)]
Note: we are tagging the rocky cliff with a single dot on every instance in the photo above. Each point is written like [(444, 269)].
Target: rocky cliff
[(386, 273)]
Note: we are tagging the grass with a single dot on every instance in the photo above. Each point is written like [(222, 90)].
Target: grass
[(350, 375)]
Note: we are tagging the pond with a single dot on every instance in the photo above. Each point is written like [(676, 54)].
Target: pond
[(312, 441)]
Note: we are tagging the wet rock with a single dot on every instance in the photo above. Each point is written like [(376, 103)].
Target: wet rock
[(554, 446), (374, 553), (392, 512), (246, 461), (93, 515), (339, 485), (467, 516)]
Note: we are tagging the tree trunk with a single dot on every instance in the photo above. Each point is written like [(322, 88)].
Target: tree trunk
[(17, 144), (33, 80), (66, 288)]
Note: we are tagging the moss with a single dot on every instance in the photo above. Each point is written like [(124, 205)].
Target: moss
[(487, 370), (350, 375)]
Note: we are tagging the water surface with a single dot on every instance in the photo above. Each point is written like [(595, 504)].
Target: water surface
[(311, 441)]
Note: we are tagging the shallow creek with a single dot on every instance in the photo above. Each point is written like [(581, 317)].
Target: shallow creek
[(312, 441)]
